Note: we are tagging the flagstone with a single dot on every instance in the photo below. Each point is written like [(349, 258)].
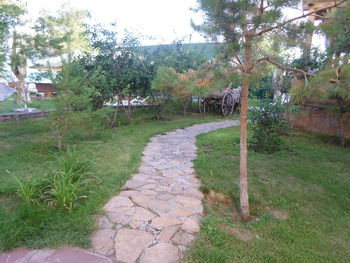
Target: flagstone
[(182, 238), (164, 221), (181, 211), (117, 202), (167, 233), (187, 201), (103, 241), (190, 226), (161, 253), (141, 200), (130, 243), (143, 214)]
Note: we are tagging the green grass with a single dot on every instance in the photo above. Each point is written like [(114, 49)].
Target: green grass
[(8, 105), (309, 182), (27, 151)]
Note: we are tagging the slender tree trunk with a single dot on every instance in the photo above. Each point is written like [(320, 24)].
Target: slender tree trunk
[(59, 142), (126, 111), (186, 104), (341, 128), (114, 117), (129, 105), (244, 198)]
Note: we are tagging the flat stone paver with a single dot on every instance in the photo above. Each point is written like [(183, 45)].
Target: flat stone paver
[(155, 216)]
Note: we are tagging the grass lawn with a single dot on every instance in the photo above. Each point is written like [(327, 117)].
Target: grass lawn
[(8, 105), (27, 151), (300, 196)]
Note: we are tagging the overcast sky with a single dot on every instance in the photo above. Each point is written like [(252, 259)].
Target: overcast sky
[(165, 20), (162, 20)]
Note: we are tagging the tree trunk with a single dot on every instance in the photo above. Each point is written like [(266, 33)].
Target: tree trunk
[(129, 105), (114, 117), (59, 142), (341, 128), (244, 198), (186, 104)]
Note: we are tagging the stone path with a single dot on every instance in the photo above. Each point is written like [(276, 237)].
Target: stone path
[(155, 216)]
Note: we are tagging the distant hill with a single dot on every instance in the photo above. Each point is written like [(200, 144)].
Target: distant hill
[(207, 50)]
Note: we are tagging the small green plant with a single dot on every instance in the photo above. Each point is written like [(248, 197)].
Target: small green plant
[(70, 180), (74, 164), (64, 187), (66, 190), (26, 190), (268, 126)]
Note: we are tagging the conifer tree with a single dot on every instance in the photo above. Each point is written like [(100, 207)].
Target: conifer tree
[(243, 24)]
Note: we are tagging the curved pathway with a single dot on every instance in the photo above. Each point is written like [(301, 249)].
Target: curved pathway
[(155, 216)]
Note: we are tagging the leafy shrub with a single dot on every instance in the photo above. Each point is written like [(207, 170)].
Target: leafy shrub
[(64, 187), (268, 126)]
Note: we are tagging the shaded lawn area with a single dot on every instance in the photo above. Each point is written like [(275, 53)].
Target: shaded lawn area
[(8, 105), (28, 151), (300, 195)]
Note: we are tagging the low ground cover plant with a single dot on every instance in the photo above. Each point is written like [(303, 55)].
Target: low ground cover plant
[(64, 187)]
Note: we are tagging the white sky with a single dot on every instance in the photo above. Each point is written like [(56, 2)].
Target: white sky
[(164, 20)]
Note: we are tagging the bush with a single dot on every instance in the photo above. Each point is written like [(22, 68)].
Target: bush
[(268, 126), (64, 187)]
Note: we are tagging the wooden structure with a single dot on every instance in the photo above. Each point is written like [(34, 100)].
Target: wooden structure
[(225, 102), (316, 4), (47, 89)]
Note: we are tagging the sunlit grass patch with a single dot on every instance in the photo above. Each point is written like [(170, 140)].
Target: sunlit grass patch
[(300, 197)]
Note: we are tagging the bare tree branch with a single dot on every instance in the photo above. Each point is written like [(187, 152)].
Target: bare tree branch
[(268, 59), (239, 60), (337, 73), (261, 9), (257, 62), (336, 4), (238, 64)]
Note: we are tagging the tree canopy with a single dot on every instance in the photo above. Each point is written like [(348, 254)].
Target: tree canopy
[(10, 11), (244, 25)]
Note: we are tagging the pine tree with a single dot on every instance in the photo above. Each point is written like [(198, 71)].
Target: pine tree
[(243, 24), (10, 11)]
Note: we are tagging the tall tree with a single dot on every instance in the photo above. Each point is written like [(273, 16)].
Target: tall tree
[(120, 67), (331, 83), (337, 30), (244, 24), (10, 10), (62, 32), (179, 56), (52, 36)]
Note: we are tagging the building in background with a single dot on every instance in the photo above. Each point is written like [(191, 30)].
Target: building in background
[(40, 89)]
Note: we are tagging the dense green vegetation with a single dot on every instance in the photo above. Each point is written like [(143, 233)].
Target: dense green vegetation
[(28, 151), (299, 196)]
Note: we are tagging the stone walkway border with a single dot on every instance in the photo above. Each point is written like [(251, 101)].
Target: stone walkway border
[(156, 215)]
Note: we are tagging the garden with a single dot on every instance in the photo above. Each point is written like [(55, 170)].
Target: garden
[(109, 170)]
